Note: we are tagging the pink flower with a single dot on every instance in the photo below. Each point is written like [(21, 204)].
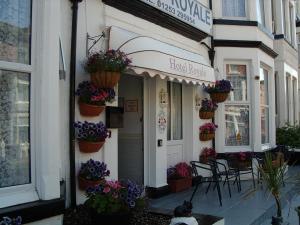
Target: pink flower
[(106, 189)]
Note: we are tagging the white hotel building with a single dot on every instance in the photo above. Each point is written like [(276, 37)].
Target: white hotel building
[(44, 42)]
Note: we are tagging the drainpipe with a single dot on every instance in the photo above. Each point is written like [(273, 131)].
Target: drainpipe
[(72, 101), (211, 54)]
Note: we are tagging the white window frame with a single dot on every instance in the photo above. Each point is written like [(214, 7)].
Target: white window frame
[(266, 145), (172, 141), (236, 17), (237, 103), (19, 194)]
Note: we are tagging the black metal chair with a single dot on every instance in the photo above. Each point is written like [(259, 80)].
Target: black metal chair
[(214, 178), (228, 174), (234, 164)]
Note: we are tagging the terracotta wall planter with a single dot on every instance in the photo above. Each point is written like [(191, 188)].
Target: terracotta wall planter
[(177, 185), (206, 115), (219, 97), (90, 110), (206, 137), (105, 79), (83, 184), (90, 147)]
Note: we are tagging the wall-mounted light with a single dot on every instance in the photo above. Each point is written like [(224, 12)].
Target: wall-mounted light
[(163, 98), (197, 102)]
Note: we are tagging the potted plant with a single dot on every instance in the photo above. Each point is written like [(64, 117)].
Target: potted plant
[(179, 177), (91, 174), (92, 99), (111, 202), (91, 136), (207, 131), (79, 215), (105, 67), (206, 154), (219, 91), (207, 109), (273, 177), (11, 221)]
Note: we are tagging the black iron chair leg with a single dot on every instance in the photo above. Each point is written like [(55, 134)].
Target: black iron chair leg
[(208, 187), (253, 177), (219, 193), (194, 192), (228, 185)]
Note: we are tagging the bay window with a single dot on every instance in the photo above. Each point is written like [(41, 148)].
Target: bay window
[(237, 107), (264, 105), (15, 94), (234, 8), (174, 111)]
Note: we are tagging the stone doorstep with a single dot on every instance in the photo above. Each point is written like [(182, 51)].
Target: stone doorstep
[(204, 219)]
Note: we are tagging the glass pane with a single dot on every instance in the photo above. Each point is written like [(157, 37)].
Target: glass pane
[(169, 111), (14, 128), (234, 8), (261, 12), (15, 30), (238, 78), (287, 91), (237, 125), (177, 111), (264, 98), (264, 125)]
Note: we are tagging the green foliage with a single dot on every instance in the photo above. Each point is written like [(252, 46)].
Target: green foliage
[(273, 176), (288, 135)]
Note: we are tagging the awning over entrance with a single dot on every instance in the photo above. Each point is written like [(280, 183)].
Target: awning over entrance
[(153, 57)]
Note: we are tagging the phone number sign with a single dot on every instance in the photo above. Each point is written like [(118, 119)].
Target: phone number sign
[(188, 11)]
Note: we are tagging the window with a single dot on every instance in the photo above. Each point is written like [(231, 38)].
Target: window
[(174, 111), (292, 24), (287, 95), (294, 100), (237, 107), (15, 76), (264, 105), (234, 8), (261, 13), (284, 17)]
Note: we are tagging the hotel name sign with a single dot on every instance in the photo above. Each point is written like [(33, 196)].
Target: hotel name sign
[(188, 11)]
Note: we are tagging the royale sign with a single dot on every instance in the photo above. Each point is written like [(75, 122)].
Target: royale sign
[(188, 11)]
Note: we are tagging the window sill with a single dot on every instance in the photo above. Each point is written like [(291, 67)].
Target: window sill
[(35, 211), (8, 199)]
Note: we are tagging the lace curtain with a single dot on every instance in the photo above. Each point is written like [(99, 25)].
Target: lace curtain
[(15, 32), (14, 129)]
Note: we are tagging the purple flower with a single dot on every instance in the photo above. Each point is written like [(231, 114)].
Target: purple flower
[(208, 106), (220, 86), (93, 170), (91, 132)]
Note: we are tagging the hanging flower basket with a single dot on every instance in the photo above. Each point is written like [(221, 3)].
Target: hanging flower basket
[(219, 96), (84, 184), (105, 79), (90, 110), (206, 115), (89, 146), (206, 136)]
